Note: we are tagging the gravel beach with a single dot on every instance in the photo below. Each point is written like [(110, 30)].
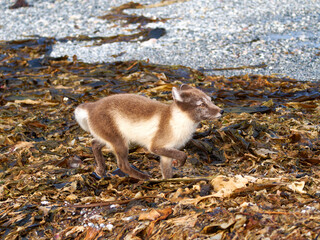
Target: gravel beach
[(221, 37)]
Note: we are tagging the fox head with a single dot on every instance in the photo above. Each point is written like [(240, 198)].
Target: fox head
[(196, 103)]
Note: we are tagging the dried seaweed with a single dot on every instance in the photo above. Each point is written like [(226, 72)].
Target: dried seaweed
[(254, 174)]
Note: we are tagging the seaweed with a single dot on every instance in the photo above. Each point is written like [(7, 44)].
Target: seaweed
[(252, 174)]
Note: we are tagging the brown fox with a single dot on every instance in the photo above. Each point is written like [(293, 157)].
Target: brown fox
[(118, 120)]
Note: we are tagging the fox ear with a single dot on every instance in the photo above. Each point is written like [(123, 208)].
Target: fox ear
[(185, 87), (176, 95)]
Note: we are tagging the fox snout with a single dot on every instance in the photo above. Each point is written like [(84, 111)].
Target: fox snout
[(220, 113), (213, 112)]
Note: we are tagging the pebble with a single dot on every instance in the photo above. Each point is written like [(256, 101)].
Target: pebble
[(202, 34), (109, 226)]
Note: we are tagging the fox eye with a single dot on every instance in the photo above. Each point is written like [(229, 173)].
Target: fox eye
[(198, 103)]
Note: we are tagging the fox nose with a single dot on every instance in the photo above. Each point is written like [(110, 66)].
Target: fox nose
[(221, 111)]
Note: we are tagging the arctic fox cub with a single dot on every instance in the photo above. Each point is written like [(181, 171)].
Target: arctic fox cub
[(117, 120)]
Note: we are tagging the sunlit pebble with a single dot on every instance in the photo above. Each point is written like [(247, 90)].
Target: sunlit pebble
[(128, 218), (150, 43), (90, 224), (109, 226), (96, 216), (246, 204), (308, 209), (74, 165), (76, 16), (72, 142), (45, 203)]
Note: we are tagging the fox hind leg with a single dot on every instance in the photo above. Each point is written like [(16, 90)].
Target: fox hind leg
[(98, 157), (121, 151)]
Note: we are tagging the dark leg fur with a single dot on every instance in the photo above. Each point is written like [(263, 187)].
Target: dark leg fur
[(177, 155), (98, 157), (121, 152), (166, 160), (122, 161)]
